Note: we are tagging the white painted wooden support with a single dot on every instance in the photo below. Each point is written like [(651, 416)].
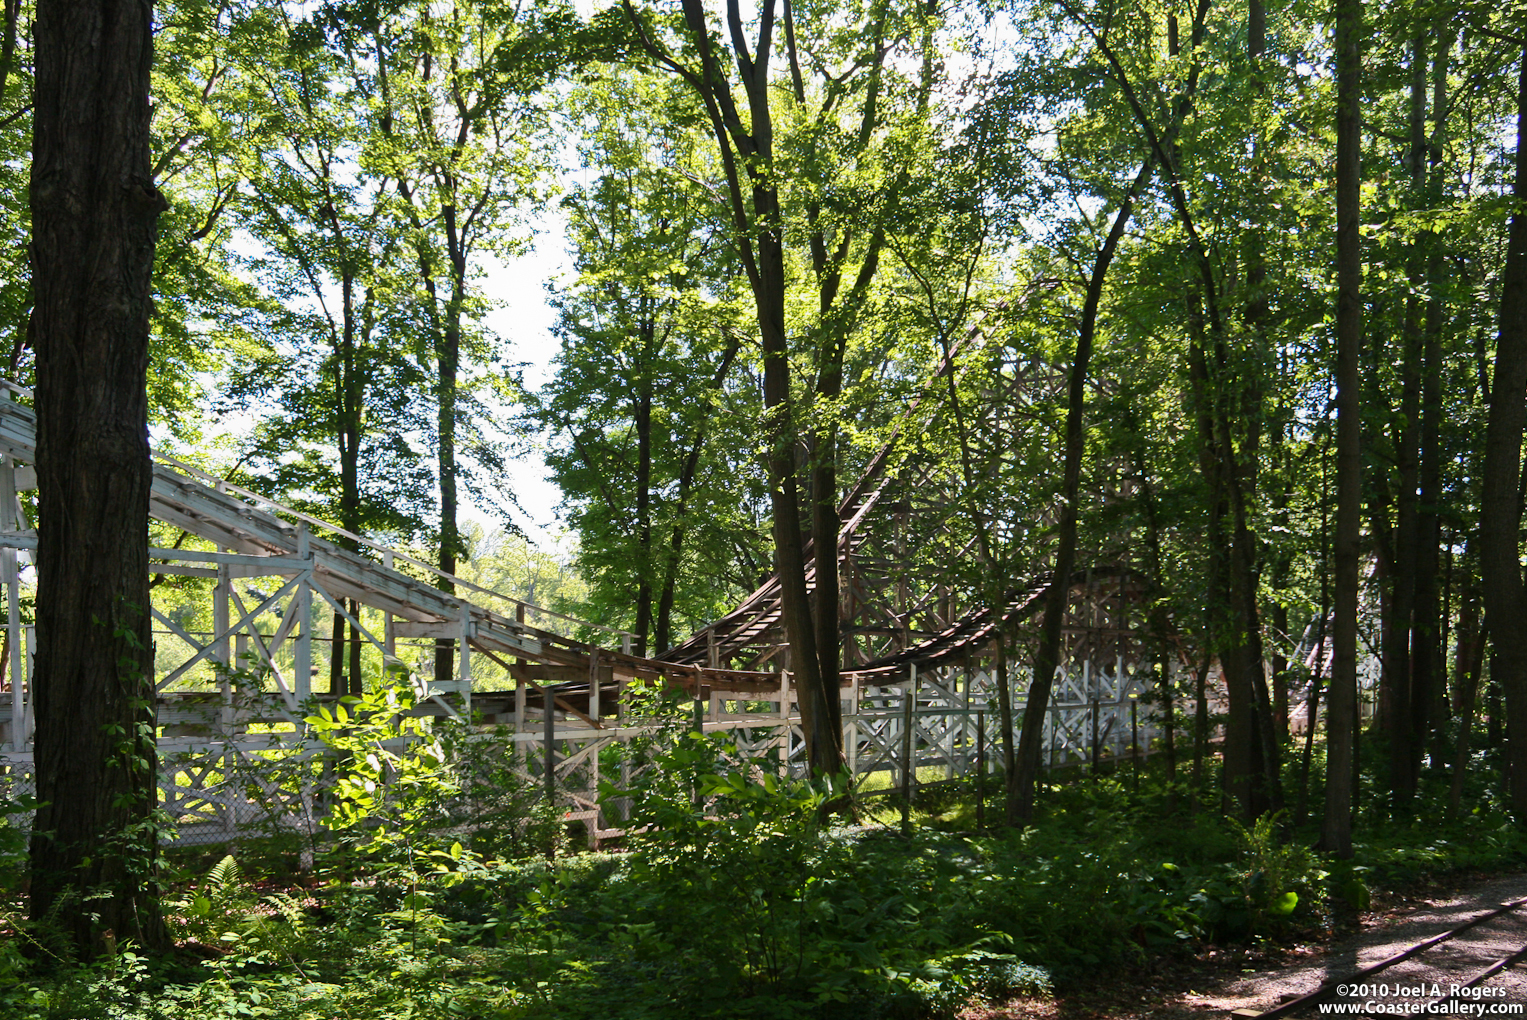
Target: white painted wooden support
[(210, 648), (389, 627), (225, 684), (970, 725), (302, 666), (339, 607), (464, 659), (221, 597), (258, 566), (181, 570), (266, 651), (176, 629), (429, 629), (908, 742), (851, 727), (784, 718), (1053, 716), (594, 681), (519, 682)]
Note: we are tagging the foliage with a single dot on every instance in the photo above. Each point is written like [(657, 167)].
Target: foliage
[(338, 176), (649, 409), (744, 904), (16, 809)]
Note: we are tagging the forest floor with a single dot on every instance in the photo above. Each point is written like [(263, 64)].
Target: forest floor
[(1218, 979)]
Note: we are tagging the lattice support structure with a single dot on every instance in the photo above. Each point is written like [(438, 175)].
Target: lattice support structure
[(230, 754)]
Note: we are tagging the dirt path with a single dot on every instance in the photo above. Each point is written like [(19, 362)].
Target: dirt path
[(1222, 980)]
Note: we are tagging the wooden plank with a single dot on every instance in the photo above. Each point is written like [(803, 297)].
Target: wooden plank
[(178, 570), (275, 562), (558, 674), (426, 629)]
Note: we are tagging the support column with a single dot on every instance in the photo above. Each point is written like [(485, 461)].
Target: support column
[(389, 630), (594, 683), (464, 661), (784, 722), (908, 745), (10, 566), (241, 653), (302, 666), (519, 681), (221, 613), (851, 726)]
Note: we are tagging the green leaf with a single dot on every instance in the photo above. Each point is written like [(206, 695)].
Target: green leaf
[(1284, 905)]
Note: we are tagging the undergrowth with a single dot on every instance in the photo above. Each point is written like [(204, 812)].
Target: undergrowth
[(735, 899)]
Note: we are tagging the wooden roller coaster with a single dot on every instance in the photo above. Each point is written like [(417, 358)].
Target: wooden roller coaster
[(918, 663)]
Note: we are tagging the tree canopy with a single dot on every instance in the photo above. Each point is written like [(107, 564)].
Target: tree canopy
[(1226, 293)]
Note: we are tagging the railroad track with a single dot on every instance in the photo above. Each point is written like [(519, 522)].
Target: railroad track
[(1447, 974)]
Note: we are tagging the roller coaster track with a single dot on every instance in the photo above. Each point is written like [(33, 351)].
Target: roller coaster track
[(257, 536), (759, 613), (265, 538), (565, 698)]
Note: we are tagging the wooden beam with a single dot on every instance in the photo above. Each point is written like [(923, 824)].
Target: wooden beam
[(545, 693)]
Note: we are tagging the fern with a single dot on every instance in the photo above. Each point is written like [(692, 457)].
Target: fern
[(288, 908), (224, 874)]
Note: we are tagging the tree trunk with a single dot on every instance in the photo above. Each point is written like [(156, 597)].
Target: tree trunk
[(824, 739), (1471, 654), (338, 686), (1047, 657), (1341, 710), (642, 419), (94, 218), (1312, 703), (1257, 323), (1428, 673), (1311, 711), (1009, 753), (662, 636), (1398, 669), (447, 367), (1500, 508), (1201, 719), (349, 395)]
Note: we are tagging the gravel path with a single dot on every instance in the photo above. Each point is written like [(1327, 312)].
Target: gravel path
[(1230, 980), (1451, 962)]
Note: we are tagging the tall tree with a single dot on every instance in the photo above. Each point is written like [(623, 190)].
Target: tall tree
[(647, 400), (1500, 508), (335, 375), (855, 129), (1020, 792), (1336, 831), (460, 129), (94, 217)]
